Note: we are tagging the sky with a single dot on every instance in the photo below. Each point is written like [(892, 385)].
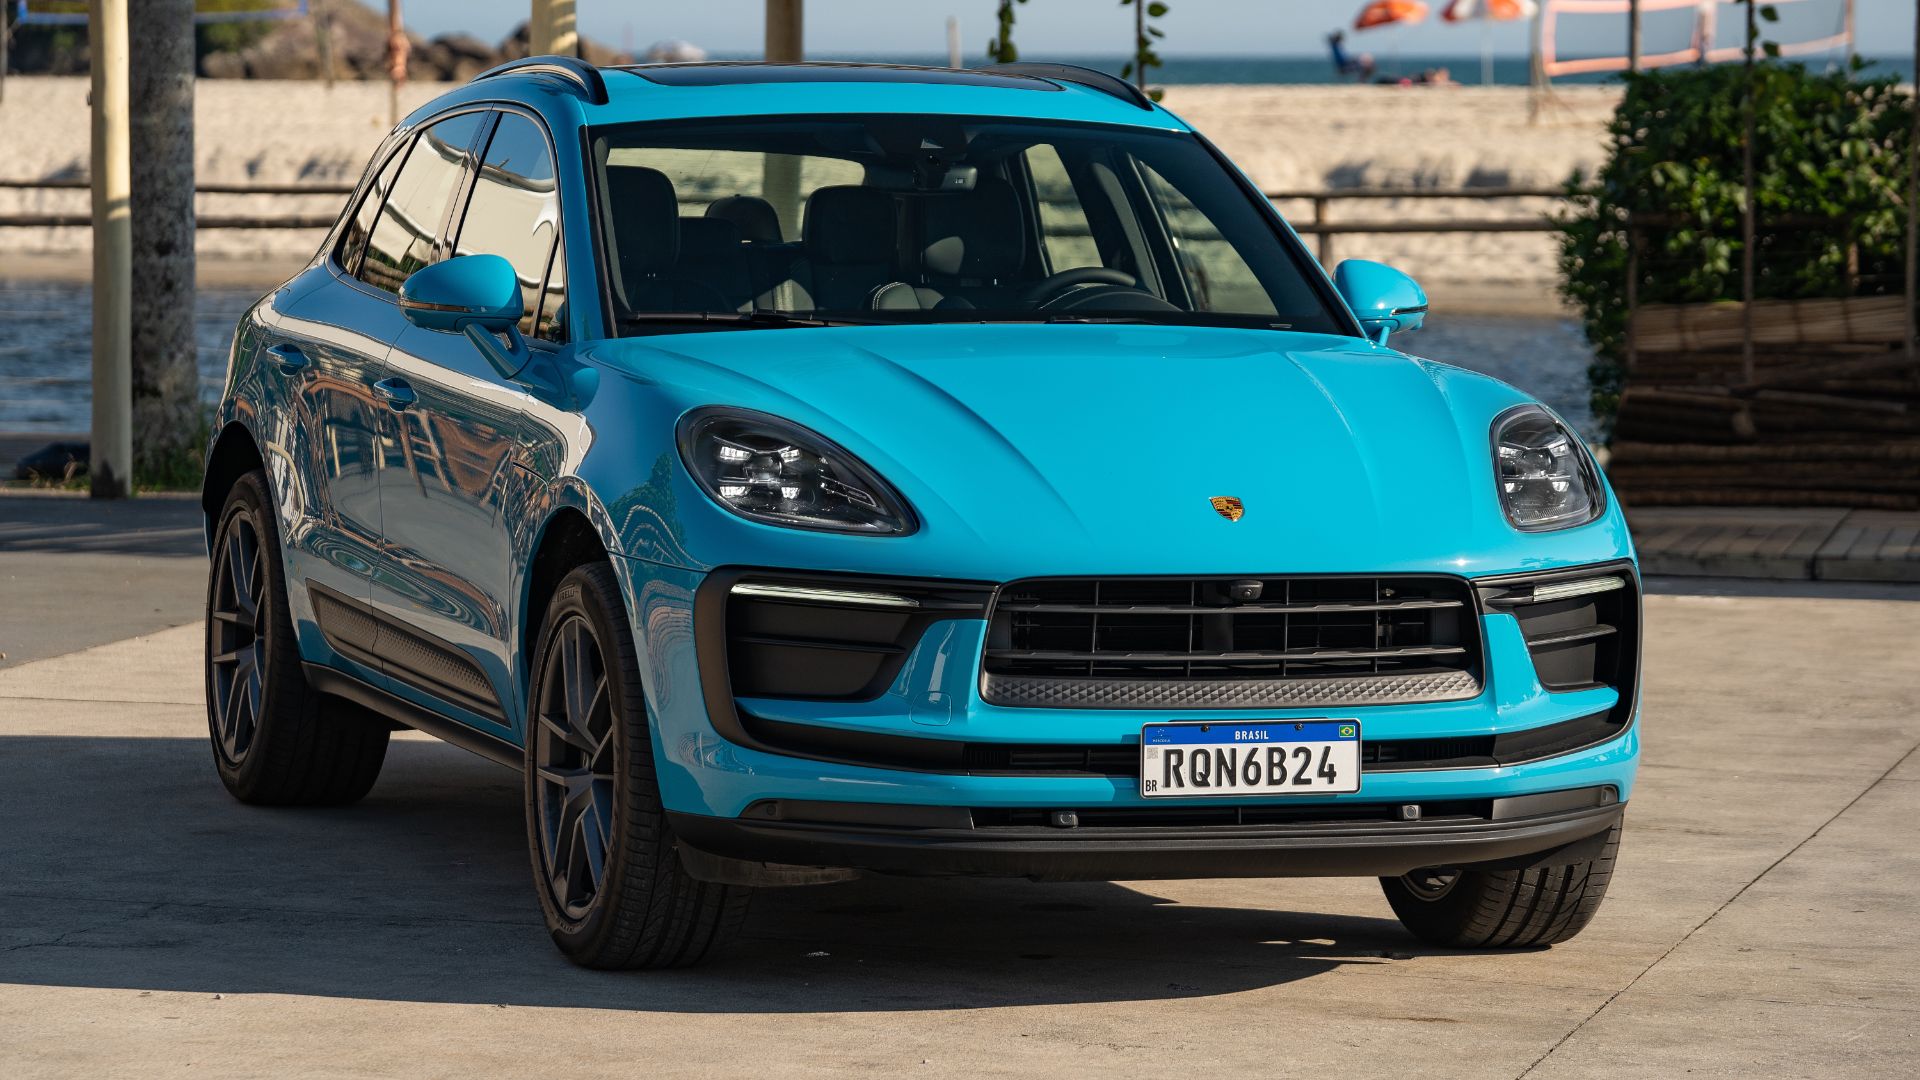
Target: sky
[(1103, 27)]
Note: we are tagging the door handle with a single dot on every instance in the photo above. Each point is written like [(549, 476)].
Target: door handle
[(397, 393), (291, 360)]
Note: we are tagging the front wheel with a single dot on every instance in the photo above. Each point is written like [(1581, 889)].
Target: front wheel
[(604, 861), (275, 741), (1508, 909)]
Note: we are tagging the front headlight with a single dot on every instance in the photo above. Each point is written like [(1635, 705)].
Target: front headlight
[(1546, 479), (764, 468)]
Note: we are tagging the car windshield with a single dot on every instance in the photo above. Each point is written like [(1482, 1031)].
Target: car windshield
[(897, 218)]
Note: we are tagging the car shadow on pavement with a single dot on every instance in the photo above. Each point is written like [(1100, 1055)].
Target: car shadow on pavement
[(126, 865)]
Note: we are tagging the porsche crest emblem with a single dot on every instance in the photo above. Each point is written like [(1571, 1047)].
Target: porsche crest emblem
[(1229, 507)]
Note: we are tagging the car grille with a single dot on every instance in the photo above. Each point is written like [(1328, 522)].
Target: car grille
[(1224, 642)]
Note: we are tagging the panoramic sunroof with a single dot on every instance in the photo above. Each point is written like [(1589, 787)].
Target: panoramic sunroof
[(729, 74)]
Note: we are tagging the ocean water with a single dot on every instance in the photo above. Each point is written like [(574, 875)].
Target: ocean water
[(1318, 69), (46, 374)]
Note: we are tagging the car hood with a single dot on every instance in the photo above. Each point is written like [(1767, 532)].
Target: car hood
[(1031, 449)]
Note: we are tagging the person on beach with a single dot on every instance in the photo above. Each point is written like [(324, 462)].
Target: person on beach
[(1358, 68)]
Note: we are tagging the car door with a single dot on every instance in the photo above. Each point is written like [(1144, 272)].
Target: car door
[(336, 327), (477, 439), (327, 340)]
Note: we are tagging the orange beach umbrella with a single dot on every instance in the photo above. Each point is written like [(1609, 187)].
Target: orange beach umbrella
[(1494, 10), (1389, 12)]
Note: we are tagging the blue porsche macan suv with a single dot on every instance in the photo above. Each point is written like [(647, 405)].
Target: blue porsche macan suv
[(812, 469)]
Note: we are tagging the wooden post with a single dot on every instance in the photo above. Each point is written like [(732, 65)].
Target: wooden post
[(166, 372), (1633, 35), (1140, 44), (397, 47), (1324, 241), (1536, 64), (1633, 289), (1913, 208), (786, 31), (323, 38), (111, 468), (954, 57), (1748, 231), (780, 173)]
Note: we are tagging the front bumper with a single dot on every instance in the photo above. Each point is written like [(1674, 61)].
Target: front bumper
[(1533, 830), (718, 787)]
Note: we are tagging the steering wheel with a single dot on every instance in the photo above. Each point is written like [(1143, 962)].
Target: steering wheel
[(1040, 292)]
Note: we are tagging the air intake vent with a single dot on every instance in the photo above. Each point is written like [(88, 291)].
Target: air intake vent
[(823, 638), (1582, 626), (1224, 642)]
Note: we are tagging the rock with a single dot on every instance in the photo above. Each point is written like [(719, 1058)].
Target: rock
[(223, 65), (469, 47), (56, 462)]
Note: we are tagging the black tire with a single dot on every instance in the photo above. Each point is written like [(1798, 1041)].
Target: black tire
[(275, 741), (604, 863), (1503, 909)]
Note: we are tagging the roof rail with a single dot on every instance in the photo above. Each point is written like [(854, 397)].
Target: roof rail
[(1085, 76), (571, 68)]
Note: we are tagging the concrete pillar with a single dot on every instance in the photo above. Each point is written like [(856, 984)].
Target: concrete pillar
[(552, 29), (111, 467), (780, 177)]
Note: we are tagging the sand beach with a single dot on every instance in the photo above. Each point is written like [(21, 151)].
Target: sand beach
[(1305, 138)]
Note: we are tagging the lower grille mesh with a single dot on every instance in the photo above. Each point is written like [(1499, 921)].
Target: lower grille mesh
[(1231, 642)]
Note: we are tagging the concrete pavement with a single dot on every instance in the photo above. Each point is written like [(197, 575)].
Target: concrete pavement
[(76, 573), (1761, 922)]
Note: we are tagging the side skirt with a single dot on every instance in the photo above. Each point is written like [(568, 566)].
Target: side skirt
[(326, 680)]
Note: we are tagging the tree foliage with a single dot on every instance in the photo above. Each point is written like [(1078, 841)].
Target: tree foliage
[(1830, 166), (1145, 56), (1001, 50)]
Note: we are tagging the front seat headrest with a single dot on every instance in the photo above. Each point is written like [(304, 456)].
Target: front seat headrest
[(646, 219), (850, 224), (752, 215), (973, 234)]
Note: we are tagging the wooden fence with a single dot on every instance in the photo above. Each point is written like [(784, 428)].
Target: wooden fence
[(1319, 225)]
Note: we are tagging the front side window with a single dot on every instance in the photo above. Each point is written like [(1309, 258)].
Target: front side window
[(939, 219), (515, 213), (403, 237), (1065, 234)]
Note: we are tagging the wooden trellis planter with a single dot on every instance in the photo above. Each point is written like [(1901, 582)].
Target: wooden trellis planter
[(1829, 416)]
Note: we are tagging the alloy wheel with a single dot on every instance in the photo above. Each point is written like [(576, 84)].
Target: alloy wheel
[(237, 657), (1431, 883), (574, 767)]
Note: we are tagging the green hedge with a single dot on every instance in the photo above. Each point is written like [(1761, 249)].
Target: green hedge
[(1828, 145)]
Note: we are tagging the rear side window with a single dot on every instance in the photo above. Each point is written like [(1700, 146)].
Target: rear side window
[(403, 237), (354, 244), (515, 213)]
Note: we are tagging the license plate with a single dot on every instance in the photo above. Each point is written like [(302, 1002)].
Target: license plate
[(1260, 757)]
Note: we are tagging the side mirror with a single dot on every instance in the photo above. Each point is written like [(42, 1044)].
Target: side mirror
[(1385, 300), (478, 295)]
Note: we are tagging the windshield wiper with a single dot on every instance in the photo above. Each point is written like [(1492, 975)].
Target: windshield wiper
[(1104, 319), (734, 318)]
